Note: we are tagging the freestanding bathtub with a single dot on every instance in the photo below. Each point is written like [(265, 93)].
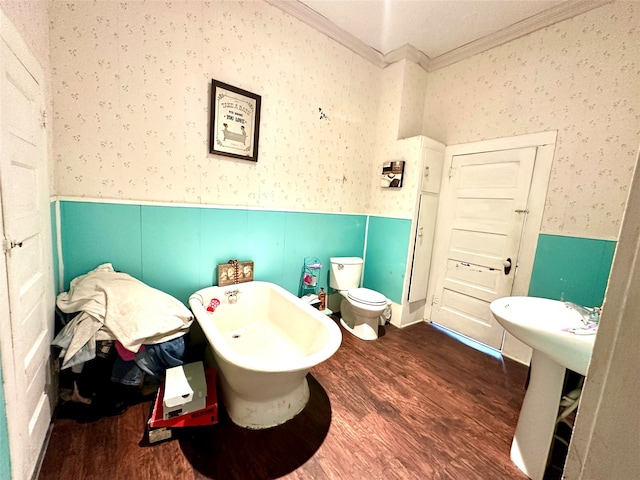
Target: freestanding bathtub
[(264, 342)]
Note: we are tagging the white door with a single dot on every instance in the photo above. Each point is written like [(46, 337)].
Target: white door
[(433, 159), (485, 208), (422, 247), (27, 332)]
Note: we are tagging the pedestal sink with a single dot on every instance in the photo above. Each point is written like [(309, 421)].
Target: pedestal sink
[(542, 324)]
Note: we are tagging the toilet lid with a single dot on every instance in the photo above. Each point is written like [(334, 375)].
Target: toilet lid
[(366, 296)]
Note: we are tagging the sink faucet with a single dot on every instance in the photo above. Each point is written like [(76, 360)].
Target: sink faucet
[(588, 315), (232, 295)]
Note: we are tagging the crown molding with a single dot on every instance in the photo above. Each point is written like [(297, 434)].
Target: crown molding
[(529, 25), (544, 19), (408, 52), (322, 24)]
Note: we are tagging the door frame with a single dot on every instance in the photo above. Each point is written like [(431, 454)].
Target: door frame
[(19, 469), (545, 143)]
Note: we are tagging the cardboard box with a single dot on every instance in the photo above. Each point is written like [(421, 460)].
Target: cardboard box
[(185, 390), (206, 416)]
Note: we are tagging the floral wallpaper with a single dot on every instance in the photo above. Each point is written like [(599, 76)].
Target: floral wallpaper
[(414, 92), (580, 77), (131, 95), (393, 115), (131, 83)]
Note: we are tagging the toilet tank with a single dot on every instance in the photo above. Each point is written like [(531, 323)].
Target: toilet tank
[(345, 273)]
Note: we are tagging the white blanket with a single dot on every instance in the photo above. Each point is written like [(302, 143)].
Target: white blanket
[(131, 311)]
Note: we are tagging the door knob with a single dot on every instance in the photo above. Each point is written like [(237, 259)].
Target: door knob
[(507, 266)]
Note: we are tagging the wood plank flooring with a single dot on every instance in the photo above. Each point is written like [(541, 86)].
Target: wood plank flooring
[(414, 404)]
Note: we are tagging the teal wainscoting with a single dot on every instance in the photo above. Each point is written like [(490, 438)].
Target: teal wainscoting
[(54, 248), (386, 258), (177, 248), (572, 269), (5, 458), (97, 233)]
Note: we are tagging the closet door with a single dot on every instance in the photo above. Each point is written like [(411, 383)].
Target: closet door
[(422, 247), (432, 161)]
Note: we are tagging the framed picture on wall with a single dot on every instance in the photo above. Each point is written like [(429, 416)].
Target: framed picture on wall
[(235, 122), (392, 173)]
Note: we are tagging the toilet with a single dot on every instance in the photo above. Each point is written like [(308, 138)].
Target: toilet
[(361, 308)]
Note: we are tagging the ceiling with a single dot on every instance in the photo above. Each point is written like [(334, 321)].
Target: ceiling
[(433, 33)]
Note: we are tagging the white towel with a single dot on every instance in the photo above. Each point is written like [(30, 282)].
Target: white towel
[(132, 311)]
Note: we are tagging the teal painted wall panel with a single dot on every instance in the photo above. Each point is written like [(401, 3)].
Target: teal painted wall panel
[(5, 458), (386, 262), (323, 236), (302, 240), (97, 233), (223, 236), (572, 269), (266, 233), (177, 249), (170, 250)]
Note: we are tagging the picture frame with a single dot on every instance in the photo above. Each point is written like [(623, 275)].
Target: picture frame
[(235, 122), (234, 272), (392, 173)]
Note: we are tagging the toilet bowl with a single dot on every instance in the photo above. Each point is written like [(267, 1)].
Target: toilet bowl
[(360, 308)]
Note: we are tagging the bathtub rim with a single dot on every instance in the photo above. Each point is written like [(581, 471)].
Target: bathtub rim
[(221, 347)]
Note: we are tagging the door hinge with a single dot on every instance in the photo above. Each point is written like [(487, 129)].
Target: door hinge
[(435, 300), (44, 119), (452, 171), (9, 244)]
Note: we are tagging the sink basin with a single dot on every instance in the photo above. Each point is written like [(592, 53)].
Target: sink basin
[(540, 323)]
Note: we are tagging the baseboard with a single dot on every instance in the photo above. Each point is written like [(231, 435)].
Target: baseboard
[(419, 320)]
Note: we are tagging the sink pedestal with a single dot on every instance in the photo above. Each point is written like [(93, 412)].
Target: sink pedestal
[(537, 421), (545, 326)]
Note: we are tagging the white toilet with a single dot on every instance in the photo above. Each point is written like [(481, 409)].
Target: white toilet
[(361, 308)]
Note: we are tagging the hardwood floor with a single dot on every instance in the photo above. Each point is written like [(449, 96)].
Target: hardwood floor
[(414, 404)]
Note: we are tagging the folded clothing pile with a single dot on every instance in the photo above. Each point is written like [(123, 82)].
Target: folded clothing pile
[(145, 325)]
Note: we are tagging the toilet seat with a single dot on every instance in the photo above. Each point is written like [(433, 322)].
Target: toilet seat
[(367, 297)]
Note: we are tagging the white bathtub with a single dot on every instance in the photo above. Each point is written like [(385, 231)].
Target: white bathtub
[(264, 345)]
